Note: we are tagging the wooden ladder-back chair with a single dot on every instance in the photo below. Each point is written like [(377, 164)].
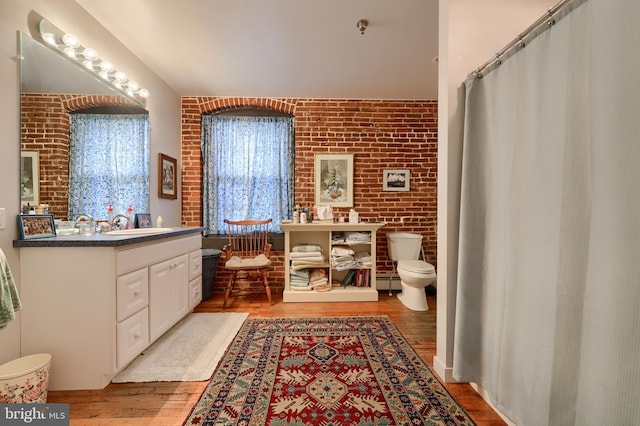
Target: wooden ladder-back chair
[(247, 252)]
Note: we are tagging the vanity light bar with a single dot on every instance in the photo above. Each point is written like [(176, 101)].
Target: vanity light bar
[(71, 47)]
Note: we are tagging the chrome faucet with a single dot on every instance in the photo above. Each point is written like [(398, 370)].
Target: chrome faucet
[(83, 218), (116, 223)]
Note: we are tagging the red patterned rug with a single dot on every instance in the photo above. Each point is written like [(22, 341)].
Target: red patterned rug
[(331, 371)]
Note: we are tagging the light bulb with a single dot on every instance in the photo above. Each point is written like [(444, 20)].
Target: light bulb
[(70, 40), (49, 38), (120, 76), (69, 52), (133, 85), (144, 93), (90, 54), (106, 66)]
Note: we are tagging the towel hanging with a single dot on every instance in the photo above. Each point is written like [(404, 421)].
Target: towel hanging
[(9, 299)]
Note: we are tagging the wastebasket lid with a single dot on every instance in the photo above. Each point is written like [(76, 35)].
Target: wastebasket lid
[(211, 252)]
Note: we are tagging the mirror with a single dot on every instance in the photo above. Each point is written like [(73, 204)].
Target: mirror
[(51, 88)]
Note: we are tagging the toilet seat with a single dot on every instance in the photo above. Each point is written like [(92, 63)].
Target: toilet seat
[(417, 266)]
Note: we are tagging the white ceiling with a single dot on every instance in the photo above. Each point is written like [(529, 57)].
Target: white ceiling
[(282, 48)]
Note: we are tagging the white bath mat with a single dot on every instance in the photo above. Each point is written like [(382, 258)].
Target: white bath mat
[(189, 352)]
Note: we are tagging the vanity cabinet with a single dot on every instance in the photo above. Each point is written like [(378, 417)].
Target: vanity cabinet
[(94, 309), (132, 315), (170, 294), (195, 278), (327, 236)]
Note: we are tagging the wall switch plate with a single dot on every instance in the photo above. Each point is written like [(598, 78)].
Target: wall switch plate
[(3, 218)]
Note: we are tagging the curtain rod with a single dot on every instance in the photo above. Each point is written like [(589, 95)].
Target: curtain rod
[(547, 19)]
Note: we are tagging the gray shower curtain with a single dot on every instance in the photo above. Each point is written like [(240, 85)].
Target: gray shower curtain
[(548, 303)]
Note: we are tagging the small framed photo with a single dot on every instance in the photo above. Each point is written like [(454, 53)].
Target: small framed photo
[(36, 226), (334, 180), (396, 179), (142, 220), (30, 178), (168, 177)]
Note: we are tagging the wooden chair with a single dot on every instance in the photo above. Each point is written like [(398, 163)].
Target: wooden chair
[(247, 252)]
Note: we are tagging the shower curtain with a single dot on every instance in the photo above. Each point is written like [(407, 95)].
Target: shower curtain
[(548, 302)]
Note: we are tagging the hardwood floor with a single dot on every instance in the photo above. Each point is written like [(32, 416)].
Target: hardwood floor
[(169, 403)]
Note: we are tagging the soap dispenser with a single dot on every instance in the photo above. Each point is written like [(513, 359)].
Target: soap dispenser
[(130, 217)]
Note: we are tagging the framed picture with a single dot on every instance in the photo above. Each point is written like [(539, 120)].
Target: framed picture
[(142, 220), (334, 180), (168, 177), (36, 226), (30, 178), (396, 180)]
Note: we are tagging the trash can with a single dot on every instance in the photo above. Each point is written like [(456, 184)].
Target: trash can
[(25, 380), (210, 259)]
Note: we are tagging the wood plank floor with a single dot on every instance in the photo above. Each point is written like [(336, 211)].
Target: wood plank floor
[(169, 403)]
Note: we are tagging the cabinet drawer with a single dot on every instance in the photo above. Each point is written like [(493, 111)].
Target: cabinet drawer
[(132, 337), (195, 292), (195, 264), (132, 293)]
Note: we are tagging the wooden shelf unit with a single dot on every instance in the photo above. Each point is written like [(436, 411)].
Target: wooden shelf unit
[(322, 233)]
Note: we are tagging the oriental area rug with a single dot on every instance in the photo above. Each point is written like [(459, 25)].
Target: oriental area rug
[(331, 371)]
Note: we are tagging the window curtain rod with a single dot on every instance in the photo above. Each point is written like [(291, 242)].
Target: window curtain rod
[(545, 21)]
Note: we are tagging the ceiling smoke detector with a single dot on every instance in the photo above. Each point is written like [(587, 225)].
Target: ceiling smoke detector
[(362, 25)]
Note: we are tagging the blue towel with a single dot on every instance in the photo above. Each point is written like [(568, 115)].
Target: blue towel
[(9, 300)]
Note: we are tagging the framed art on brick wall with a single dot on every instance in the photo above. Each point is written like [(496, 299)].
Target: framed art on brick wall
[(396, 180), (168, 177), (30, 178), (334, 180)]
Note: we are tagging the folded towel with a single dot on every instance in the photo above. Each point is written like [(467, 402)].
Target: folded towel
[(296, 266), (317, 274), (305, 254), (317, 258), (307, 248), (9, 299), (301, 273), (341, 251)]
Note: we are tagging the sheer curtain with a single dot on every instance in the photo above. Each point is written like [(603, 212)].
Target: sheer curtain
[(108, 164), (248, 165), (548, 304)]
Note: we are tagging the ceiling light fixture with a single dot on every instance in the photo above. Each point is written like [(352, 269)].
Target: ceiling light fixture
[(70, 47), (362, 25)]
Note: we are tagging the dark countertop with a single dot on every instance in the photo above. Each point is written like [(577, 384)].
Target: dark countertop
[(100, 240)]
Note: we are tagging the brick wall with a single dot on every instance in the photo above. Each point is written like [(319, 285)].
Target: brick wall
[(45, 129), (382, 134)]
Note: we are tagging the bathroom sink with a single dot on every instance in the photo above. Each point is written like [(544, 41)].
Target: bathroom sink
[(137, 231)]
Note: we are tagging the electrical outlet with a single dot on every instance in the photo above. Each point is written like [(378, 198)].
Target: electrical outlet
[(3, 218)]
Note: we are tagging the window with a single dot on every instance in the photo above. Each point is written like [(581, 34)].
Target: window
[(247, 169), (108, 163)]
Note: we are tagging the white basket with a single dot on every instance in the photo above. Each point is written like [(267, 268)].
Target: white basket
[(25, 380)]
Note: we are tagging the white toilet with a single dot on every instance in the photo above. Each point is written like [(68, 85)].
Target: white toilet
[(415, 275)]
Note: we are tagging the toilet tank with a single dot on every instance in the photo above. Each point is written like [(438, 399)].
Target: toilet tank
[(404, 245)]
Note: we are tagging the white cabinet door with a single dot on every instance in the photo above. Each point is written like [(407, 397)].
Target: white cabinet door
[(169, 294)]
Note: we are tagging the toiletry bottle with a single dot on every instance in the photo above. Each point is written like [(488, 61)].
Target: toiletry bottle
[(110, 213), (130, 217), (296, 215)]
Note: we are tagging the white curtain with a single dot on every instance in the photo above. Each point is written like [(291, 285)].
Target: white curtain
[(548, 304)]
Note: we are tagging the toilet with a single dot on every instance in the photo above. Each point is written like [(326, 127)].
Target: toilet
[(415, 274)]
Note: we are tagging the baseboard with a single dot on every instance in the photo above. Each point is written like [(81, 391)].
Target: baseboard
[(445, 373)]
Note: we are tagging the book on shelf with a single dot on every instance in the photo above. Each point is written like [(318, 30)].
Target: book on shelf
[(349, 277)]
